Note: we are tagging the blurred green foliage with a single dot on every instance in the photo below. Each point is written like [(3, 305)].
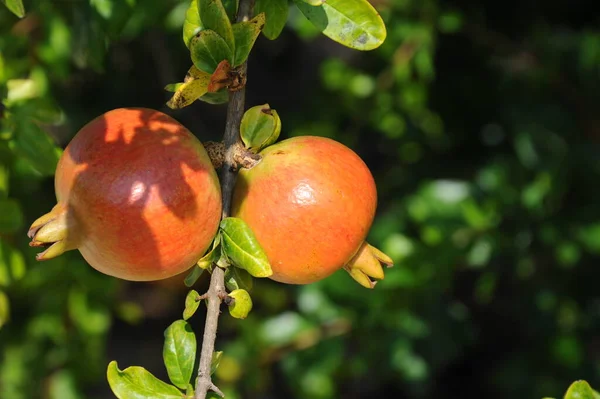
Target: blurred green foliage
[(480, 124)]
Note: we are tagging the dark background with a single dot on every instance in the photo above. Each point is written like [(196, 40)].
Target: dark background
[(480, 122)]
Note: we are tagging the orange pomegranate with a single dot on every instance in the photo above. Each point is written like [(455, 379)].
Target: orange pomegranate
[(310, 202), (137, 196)]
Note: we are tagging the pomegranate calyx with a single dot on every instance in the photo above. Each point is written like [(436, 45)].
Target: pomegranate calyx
[(366, 265), (52, 230)]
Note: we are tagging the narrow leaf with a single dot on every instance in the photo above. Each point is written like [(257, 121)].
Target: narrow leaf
[(192, 301), (192, 24), (245, 34), (276, 14), (214, 17), (193, 276), (4, 309), (195, 85), (173, 87), (211, 257), (352, 23), (216, 359), (179, 352), (243, 249), (15, 6), (138, 383), (208, 49)]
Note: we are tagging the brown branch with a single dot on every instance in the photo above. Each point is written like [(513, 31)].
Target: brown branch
[(216, 290)]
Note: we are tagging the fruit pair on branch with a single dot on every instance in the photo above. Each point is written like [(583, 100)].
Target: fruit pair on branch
[(139, 197)]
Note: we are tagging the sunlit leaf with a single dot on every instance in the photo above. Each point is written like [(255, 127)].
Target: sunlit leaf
[(212, 256), (192, 24), (179, 352), (580, 390), (192, 301), (216, 359), (208, 49), (15, 6), (353, 23), (4, 308), (138, 383), (243, 249), (276, 14), (214, 17), (194, 86), (260, 127), (242, 304)]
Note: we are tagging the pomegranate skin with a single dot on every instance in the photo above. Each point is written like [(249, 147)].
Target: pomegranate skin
[(142, 197), (310, 202)]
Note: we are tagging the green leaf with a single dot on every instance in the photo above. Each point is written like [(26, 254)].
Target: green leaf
[(4, 309), (212, 256), (580, 390), (11, 217), (245, 34), (15, 6), (216, 359), (260, 127), (3, 181), (192, 24), (179, 352), (314, 2), (220, 97), (214, 17), (193, 276), (12, 263), (231, 7), (236, 278), (208, 49), (242, 304), (352, 23), (36, 146), (192, 301), (138, 383), (22, 89), (194, 86), (173, 87), (243, 249), (276, 14)]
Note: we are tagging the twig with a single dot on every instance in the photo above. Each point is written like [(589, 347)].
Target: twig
[(216, 290)]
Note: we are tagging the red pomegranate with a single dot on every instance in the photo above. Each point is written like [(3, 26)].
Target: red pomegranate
[(311, 201), (137, 196)]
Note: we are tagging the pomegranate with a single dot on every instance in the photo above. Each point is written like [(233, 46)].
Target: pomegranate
[(137, 196), (311, 201)]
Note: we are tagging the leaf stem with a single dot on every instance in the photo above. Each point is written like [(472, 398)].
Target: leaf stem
[(216, 290)]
